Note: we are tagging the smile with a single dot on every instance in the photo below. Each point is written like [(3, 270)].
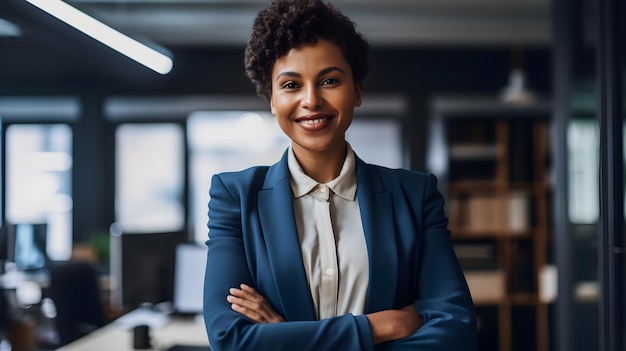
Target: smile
[(314, 121)]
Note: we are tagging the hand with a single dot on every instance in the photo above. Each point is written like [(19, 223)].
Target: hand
[(394, 324), (251, 304)]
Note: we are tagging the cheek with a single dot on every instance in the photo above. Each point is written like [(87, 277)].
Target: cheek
[(347, 104), (281, 112), (284, 126), (281, 105)]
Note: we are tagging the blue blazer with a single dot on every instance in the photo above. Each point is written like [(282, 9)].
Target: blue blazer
[(253, 240)]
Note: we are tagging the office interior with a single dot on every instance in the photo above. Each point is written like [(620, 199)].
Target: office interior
[(514, 104)]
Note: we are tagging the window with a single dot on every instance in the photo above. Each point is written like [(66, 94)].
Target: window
[(378, 141), (583, 150), (226, 141), (38, 182), (149, 177)]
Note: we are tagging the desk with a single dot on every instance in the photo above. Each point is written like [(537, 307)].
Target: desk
[(165, 331)]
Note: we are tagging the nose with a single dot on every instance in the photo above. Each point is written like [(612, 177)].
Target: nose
[(311, 98)]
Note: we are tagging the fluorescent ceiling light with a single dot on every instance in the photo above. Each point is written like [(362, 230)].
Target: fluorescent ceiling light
[(106, 35)]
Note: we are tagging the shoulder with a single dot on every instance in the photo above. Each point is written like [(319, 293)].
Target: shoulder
[(402, 174), (413, 189), (245, 176), (240, 181), (399, 176), (242, 175), (256, 174)]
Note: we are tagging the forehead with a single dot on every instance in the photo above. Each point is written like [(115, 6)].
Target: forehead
[(306, 57)]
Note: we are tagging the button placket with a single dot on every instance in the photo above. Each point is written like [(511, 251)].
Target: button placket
[(328, 254)]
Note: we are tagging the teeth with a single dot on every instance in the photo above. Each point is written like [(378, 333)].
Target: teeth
[(314, 121)]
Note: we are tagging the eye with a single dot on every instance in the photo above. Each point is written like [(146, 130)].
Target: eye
[(289, 85), (330, 81)]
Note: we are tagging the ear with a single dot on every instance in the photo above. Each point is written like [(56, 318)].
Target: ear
[(272, 108), (357, 90)]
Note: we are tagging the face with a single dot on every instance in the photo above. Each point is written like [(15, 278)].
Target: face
[(314, 96)]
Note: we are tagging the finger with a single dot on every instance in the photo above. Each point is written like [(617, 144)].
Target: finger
[(248, 288), (261, 311), (248, 294), (275, 319), (235, 299), (251, 300), (237, 292), (250, 291), (252, 315), (243, 301), (247, 297), (259, 316)]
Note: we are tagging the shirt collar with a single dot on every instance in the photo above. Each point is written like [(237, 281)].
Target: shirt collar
[(344, 185)]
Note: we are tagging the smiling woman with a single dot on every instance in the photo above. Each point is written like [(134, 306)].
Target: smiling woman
[(322, 251)]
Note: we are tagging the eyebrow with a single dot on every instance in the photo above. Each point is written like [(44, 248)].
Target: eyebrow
[(321, 73)]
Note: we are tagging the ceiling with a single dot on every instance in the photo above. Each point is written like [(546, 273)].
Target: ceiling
[(388, 22), (27, 33)]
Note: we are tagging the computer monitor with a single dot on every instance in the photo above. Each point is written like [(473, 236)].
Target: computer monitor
[(142, 267), (26, 245), (189, 278)]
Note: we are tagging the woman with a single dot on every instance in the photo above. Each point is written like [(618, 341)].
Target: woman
[(322, 251)]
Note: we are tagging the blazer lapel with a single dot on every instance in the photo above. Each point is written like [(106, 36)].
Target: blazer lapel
[(275, 204), (378, 224)]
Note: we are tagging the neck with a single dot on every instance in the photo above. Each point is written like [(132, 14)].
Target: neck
[(322, 167)]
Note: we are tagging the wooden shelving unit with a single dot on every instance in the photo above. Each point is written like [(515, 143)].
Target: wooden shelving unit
[(492, 163)]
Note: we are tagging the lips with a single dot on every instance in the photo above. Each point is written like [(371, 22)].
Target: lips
[(314, 123)]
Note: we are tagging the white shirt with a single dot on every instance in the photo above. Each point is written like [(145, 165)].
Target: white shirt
[(332, 240)]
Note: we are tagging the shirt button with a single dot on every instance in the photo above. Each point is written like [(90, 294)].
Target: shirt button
[(323, 188), (329, 271)]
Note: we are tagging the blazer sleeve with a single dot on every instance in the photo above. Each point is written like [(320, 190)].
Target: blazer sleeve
[(444, 300), (229, 263)]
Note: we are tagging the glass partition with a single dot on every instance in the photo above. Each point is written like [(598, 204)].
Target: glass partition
[(589, 247)]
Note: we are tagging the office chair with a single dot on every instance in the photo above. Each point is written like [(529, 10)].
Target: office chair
[(74, 290)]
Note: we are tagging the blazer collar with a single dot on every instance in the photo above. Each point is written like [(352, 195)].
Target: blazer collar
[(378, 224), (275, 204)]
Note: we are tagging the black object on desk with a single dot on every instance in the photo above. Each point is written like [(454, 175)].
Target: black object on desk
[(141, 337)]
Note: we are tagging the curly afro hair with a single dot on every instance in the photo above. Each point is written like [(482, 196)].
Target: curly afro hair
[(287, 24)]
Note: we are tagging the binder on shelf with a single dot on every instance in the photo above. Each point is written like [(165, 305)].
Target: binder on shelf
[(518, 212), (473, 151), (491, 213), (486, 286), (486, 213)]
